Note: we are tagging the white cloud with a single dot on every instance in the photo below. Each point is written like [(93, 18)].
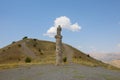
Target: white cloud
[(65, 23)]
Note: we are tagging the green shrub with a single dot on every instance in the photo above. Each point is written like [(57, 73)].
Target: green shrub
[(13, 42), (25, 37), (79, 56), (3, 50), (39, 50), (35, 39), (88, 55), (65, 59), (28, 60), (19, 45), (19, 59), (9, 47), (41, 53), (74, 57), (34, 45)]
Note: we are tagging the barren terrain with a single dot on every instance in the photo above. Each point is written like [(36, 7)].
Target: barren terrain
[(63, 72)]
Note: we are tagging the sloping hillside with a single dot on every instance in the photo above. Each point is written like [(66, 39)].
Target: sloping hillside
[(36, 50), (42, 51)]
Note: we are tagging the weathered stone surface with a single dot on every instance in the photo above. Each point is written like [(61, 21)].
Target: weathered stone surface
[(58, 46)]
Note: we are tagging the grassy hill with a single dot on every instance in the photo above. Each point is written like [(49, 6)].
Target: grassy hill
[(39, 51)]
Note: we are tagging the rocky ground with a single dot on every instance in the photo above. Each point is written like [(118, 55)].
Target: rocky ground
[(64, 72)]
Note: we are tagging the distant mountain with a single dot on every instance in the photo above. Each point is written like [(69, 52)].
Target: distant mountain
[(115, 63), (106, 57), (109, 58), (40, 51)]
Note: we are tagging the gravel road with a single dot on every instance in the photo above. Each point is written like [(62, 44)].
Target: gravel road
[(64, 72)]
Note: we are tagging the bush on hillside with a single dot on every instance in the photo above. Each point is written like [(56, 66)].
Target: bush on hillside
[(13, 42), (9, 47), (34, 45), (74, 57), (88, 55), (39, 50), (79, 56), (28, 60), (3, 50), (41, 53), (19, 45), (35, 39), (65, 59), (19, 59), (25, 37)]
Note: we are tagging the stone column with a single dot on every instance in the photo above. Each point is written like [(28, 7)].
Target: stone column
[(58, 46)]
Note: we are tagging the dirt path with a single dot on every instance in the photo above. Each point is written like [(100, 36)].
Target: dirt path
[(27, 51), (65, 72), (68, 52)]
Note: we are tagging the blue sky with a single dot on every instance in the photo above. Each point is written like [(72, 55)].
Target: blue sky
[(99, 20)]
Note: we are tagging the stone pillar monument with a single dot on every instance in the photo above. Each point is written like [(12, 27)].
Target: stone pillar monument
[(58, 46)]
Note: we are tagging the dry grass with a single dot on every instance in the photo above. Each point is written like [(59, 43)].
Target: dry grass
[(47, 60), (87, 63), (16, 65)]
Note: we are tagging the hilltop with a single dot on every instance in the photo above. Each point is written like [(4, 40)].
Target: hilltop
[(40, 51)]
